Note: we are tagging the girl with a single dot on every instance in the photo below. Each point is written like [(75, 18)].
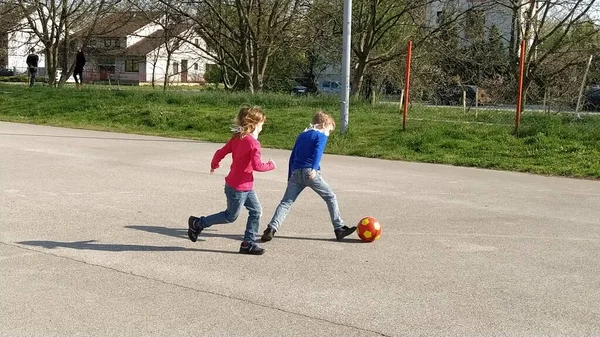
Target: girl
[(245, 150)]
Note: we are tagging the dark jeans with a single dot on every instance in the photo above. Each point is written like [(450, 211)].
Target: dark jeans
[(32, 73), (78, 76), (235, 201)]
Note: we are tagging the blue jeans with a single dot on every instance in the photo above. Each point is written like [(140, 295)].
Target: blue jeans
[(235, 200), (299, 180)]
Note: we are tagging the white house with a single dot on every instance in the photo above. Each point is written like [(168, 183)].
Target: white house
[(16, 40), (130, 47)]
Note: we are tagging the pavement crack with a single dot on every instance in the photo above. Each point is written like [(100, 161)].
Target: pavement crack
[(181, 286)]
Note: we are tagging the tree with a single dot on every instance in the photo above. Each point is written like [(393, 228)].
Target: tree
[(53, 21), (548, 27), (243, 35)]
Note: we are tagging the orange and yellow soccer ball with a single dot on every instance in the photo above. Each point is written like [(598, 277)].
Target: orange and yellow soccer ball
[(369, 229)]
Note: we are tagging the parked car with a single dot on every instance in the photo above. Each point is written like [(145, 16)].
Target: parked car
[(299, 89), (7, 72), (591, 100), (453, 95), (330, 87)]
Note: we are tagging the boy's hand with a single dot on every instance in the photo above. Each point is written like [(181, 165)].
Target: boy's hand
[(313, 174), (212, 170), (272, 162)]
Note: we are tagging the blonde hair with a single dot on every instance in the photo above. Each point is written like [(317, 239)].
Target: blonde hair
[(323, 119), (247, 120)]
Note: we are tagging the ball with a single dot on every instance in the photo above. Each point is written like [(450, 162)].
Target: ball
[(369, 229)]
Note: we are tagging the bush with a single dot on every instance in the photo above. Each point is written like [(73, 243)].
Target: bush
[(20, 78)]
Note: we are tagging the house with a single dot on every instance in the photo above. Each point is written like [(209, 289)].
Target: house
[(17, 39), (134, 48)]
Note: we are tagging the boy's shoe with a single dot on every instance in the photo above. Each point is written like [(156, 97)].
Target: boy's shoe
[(251, 248), (341, 233), (194, 228), (268, 234)]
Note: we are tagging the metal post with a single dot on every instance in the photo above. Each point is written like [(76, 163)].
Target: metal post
[(347, 32), (407, 85), (587, 69), (520, 96), (476, 102), (402, 100)]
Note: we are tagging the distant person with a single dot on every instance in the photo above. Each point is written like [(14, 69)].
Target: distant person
[(32, 66), (78, 72)]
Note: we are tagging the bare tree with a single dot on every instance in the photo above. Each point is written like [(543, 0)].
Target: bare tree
[(52, 22), (243, 35)]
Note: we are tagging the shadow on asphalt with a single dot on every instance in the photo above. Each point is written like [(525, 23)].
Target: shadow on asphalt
[(208, 233), (107, 247), (165, 140), (182, 232)]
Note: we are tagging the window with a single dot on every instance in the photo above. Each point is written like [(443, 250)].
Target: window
[(439, 16), (195, 66), (175, 68), (107, 42), (107, 65), (117, 43), (326, 84), (132, 66), (196, 42), (335, 85)]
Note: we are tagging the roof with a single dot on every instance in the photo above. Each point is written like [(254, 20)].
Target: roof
[(149, 43), (120, 24)]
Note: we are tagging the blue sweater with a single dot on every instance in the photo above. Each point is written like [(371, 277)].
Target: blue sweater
[(307, 151)]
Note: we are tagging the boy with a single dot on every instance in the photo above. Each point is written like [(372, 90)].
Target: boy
[(304, 171)]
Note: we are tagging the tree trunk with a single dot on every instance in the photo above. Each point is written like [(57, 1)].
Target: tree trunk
[(359, 76), (50, 67), (166, 82)]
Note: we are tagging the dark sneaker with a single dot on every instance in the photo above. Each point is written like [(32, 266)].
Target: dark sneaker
[(268, 234), (341, 233), (194, 228), (251, 248)]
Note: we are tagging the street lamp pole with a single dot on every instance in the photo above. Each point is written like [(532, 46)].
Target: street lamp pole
[(347, 31)]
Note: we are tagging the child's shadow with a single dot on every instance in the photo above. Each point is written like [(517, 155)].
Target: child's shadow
[(182, 232), (207, 233), (346, 240)]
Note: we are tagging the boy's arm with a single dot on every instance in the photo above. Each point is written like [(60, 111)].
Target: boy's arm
[(219, 155), (257, 164), (319, 148), (291, 161)]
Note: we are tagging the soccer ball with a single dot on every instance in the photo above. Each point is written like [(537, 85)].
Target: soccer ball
[(369, 229)]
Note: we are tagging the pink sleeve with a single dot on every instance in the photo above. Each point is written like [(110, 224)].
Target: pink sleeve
[(257, 164), (220, 154)]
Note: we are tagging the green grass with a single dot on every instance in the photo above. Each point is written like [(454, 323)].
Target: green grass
[(547, 144)]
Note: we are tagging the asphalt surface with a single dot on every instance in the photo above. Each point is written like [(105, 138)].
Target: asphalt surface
[(93, 243)]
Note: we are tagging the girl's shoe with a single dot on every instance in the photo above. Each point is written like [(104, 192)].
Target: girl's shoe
[(251, 248)]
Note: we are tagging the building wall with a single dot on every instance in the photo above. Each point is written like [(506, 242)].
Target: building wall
[(495, 15), (19, 44), (156, 61)]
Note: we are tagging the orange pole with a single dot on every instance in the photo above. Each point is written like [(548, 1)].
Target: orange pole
[(407, 88), (520, 96)]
